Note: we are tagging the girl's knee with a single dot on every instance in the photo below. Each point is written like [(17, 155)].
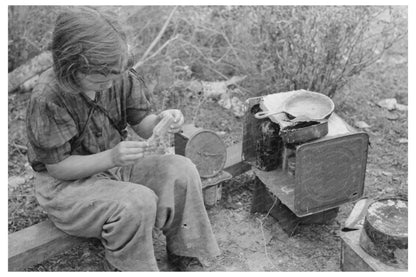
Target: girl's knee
[(184, 171), (139, 201), (181, 164)]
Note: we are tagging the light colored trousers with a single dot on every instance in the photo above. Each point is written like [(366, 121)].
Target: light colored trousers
[(121, 206)]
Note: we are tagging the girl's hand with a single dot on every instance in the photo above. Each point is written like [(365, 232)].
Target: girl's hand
[(178, 119), (128, 152)]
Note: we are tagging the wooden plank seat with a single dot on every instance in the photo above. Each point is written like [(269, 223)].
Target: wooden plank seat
[(42, 241)]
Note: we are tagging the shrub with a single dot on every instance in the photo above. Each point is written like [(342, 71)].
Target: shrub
[(317, 48), (320, 48)]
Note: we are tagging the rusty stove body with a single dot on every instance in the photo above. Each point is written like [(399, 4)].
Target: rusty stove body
[(307, 177)]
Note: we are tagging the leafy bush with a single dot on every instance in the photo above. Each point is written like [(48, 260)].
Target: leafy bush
[(320, 48), (317, 48)]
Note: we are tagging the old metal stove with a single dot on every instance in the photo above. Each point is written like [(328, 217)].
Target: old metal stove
[(302, 176)]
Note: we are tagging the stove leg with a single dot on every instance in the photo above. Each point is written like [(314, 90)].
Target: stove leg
[(287, 219), (263, 201)]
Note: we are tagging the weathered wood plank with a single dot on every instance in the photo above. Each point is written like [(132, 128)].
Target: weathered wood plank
[(39, 242), (354, 258)]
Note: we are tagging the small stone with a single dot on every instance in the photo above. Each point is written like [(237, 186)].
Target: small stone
[(389, 103), (239, 108), (16, 181), (393, 116), (402, 140), (225, 102), (231, 206), (401, 107), (386, 173), (361, 125)]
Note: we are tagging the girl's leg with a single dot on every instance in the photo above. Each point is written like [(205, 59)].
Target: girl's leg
[(121, 214), (181, 212)]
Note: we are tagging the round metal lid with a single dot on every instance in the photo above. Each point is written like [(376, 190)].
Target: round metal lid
[(207, 151), (389, 216)]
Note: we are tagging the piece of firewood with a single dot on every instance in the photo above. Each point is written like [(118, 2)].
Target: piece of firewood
[(32, 68)]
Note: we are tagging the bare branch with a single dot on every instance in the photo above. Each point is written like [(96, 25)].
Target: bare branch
[(141, 62), (35, 66), (234, 51), (156, 40)]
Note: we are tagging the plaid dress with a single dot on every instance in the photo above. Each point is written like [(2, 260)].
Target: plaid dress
[(122, 205), (60, 124)]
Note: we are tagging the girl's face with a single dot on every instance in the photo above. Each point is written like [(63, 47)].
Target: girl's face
[(97, 82)]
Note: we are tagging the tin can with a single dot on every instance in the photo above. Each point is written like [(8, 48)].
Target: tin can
[(203, 147)]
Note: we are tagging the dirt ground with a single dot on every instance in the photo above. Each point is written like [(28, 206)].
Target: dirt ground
[(251, 242)]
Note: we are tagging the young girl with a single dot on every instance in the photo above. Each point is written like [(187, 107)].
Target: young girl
[(92, 182)]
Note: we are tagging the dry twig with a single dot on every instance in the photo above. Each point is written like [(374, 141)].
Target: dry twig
[(157, 51), (264, 238), (156, 40), (201, 100)]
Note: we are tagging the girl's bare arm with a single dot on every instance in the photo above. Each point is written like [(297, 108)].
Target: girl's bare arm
[(77, 166)]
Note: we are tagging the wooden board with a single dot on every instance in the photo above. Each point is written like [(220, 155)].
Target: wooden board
[(355, 220), (39, 242), (385, 231), (354, 258)]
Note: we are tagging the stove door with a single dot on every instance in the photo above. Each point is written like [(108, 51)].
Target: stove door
[(330, 173)]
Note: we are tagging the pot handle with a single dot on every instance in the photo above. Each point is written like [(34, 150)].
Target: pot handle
[(261, 115)]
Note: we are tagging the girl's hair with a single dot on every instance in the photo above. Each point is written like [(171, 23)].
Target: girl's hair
[(86, 41)]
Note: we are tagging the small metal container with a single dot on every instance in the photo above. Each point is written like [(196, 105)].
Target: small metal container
[(204, 147)]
